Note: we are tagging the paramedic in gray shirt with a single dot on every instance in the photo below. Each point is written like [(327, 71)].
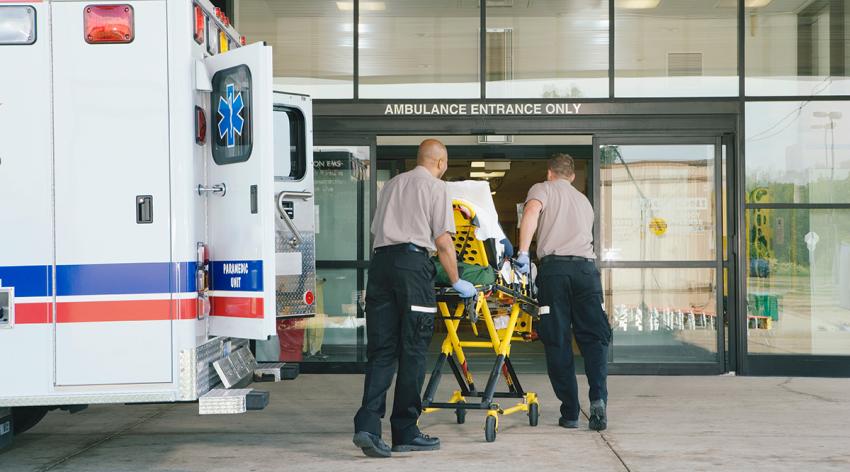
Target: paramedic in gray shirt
[(569, 289), (413, 218)]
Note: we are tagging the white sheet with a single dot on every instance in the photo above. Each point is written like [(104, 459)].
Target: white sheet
[(477, 193)]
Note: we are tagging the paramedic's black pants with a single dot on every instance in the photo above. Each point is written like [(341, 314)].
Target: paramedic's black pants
[(400, 310), (572, 291)]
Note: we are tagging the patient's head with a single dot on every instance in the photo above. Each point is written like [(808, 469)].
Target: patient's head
[(561, 166), (432, 155)]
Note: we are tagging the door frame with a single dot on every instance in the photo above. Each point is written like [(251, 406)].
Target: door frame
[(349, 122)]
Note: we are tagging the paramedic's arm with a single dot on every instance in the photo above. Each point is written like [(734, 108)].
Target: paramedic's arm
[(528, 225), (446, 253)]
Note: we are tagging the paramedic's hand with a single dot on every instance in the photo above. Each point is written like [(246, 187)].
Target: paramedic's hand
[(464, 288), (509, 248), (523, 263)]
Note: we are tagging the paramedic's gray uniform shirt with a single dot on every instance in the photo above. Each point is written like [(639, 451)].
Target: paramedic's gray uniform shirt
[(566, 222), (414, 207)]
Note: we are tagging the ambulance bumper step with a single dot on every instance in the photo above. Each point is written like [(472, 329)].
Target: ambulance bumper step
[(220, 401), (275, 371)]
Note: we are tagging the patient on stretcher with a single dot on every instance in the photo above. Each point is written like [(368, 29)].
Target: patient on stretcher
[(481, 244)]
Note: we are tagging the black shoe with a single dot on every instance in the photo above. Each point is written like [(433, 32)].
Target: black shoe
[(422, 442), (372, 445), (598, 418), (569, 424)]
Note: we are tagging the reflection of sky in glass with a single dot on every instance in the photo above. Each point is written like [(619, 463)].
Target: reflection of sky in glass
[(673, 153), (787, 143)]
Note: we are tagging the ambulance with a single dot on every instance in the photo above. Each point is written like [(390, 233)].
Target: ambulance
[(156, 207)]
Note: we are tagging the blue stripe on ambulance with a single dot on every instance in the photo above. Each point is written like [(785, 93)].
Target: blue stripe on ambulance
[(101, 279), (29, 281)]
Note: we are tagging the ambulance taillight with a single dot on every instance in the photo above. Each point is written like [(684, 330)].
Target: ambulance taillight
[(108, 24), (200, 126), (17, 25), (200, 25)]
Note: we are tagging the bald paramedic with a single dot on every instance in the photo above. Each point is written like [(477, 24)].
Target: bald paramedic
[(569, 289), (413, 218)]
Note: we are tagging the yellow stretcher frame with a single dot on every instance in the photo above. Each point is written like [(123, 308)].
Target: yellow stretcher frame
[(522, 311)]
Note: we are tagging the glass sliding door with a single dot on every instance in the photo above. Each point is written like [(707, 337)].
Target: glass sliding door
[(660, 247), (335, 338)]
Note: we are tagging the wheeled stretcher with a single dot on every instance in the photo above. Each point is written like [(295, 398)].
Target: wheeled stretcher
[(505, 310)]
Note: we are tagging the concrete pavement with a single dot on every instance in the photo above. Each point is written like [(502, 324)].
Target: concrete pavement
[(656, 424)]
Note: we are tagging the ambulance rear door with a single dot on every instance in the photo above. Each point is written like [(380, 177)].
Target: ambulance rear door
[(240, 194)]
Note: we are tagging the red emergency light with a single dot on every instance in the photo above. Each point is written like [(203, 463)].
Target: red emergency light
[(200, 126), (226, 20), (108, 24), (218, 12), (242, 40), (200, 23)]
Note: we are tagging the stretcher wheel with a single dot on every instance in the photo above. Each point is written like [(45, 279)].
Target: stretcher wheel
[(461, 415), (490, 429), (533, 414)]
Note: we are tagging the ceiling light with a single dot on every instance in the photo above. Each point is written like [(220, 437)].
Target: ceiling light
[(478, 164), (637, 4), (497, 165), (364, 6), (486, 175), (747, 3)]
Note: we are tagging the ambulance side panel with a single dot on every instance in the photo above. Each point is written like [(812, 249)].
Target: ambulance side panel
[(187, 172), (114, 272), (26, 227)]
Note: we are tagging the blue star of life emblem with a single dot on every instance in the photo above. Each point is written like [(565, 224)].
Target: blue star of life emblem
[(230, 120)]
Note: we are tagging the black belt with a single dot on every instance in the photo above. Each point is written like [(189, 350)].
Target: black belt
[(404, 247), (554, 258)]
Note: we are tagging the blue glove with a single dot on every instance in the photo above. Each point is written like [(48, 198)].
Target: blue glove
[(509, 248), (464, 288), (523, 263)]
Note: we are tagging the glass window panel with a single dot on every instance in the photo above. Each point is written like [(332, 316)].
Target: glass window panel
[(332, 336), (798, 300), (797, 47), (547, 49), (676, 48), (342, 200), (657, 202), (798, 152), (312, 43), (662, 315), (335, 334), (415, 49)]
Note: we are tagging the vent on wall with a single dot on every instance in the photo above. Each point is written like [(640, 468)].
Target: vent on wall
[(498, 3), (500, 54), (684, 64)]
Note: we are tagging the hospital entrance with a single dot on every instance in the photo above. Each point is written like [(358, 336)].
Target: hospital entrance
[(659, 207)]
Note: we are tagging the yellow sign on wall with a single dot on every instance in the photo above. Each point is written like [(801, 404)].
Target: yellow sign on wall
[(658, 226)]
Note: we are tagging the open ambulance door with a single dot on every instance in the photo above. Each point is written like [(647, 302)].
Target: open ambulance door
[(240, 189)]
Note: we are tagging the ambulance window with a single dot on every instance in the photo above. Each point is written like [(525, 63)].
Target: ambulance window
[(296, 155), (230, 107)]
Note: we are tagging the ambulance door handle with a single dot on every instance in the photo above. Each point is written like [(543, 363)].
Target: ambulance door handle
[(217, 189), (297, 239)]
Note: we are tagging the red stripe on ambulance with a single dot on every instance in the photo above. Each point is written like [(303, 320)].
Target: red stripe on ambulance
[(33, 313), (107, 311), (237, 307)]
